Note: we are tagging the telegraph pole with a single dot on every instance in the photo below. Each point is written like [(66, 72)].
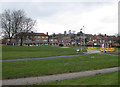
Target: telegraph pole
[(81, 39), (84, 36)]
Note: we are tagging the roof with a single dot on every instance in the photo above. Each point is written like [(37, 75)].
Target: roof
[(53, 37), (35, 34), (40, 34)]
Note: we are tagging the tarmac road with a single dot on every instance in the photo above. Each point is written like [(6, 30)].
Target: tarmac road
[(53, 57)]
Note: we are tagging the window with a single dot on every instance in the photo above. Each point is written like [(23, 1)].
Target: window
[(46, 37), (35, 36), (51, 39), (38, 36), (8, 39), (55, 40), (45, 40), (42, 37), (36, 40)]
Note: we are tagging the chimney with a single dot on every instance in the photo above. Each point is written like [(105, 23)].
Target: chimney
[(47, 33)]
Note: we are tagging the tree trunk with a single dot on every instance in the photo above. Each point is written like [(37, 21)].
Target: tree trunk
[(21, 43), (10, 41)]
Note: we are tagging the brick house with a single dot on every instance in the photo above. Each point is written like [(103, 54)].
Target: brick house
[(37, 39), (108, 41), (53, 41)]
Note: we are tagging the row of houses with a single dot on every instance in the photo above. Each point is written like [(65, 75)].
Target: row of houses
[(41, 39)]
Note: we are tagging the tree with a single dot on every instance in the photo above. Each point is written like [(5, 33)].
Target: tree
[(15, 24), (65, 32), (53, 34), (25, 29)]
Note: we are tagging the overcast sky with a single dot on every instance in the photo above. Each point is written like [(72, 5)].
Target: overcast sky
[(57, 17)]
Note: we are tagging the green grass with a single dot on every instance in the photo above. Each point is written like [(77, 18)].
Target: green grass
[(28, 68), (114, 53), (14, 52), (101, 79)]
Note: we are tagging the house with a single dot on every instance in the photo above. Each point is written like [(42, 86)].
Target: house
[(106, 41), (53, 41), (38, 39), (34, 39)]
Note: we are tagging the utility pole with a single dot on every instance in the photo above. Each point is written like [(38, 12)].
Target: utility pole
[(81, 40), (84, 36)]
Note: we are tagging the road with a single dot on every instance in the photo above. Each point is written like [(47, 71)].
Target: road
[(53, 57)]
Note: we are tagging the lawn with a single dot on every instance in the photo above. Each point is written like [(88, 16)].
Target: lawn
[(114, 53), (14, 52), (101, 79), (15, 69)]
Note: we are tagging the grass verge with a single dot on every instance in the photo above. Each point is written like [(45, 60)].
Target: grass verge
[(101, 79), (16, 69), (16, 52)]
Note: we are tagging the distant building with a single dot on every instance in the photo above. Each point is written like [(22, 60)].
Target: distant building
[(53, 41), (107, 41), (37, 39)]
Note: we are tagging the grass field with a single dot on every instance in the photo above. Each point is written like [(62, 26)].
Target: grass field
[(17, 69), (14, 52), (114, 53), (101, 79)]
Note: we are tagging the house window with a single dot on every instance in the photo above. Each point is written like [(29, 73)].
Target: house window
[(8, 39), (51, 39), (36, 40), (42, 37), (55, 40), (35, 36), (45, 40), (46, 37), (38, 36)]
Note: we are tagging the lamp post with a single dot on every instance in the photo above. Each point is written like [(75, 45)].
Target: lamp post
[(81, 40), (83, 37)]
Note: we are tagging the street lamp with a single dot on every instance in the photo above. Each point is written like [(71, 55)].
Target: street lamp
[(83, 37)]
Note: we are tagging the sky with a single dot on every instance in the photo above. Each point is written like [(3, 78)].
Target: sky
[(57, 16)]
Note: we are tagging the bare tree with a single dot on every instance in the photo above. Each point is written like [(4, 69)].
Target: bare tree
[(25, 30), (14, 23), (10, 21)]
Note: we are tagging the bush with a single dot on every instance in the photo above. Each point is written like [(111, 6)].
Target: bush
[(60, 45)]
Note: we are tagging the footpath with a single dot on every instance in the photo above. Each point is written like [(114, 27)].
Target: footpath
[(56, 77)]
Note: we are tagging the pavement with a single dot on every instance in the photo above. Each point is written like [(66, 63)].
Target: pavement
[(92, 51), (56, 77), (54, 57)]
